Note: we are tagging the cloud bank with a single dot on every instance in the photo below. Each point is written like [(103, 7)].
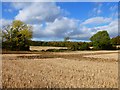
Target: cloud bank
[(50, 22)]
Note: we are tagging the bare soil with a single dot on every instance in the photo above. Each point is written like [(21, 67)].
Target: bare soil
[(39, 48), (81, 69)]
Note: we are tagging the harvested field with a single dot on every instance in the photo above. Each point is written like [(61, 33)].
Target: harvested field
[(81, 69), (104, 56), (40, 48)]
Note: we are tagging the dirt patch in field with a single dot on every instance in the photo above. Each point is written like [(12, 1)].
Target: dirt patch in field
[(40, 48), (62, 71), (104, 56), (87, 52)]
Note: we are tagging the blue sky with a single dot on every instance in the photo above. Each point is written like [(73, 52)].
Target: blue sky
[(83, 10), (54, 21)]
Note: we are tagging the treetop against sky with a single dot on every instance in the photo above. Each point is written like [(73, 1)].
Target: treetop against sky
[(56, 20)]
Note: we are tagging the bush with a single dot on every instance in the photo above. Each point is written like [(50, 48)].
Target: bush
[(73, 46), (84, 46)]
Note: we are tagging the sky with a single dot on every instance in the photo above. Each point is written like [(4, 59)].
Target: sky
[(52, 21)]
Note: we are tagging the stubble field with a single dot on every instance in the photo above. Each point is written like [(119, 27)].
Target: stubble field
[(78, 69)]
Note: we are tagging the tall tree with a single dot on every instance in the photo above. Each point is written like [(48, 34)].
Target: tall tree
[(101, 40), (17, 35)]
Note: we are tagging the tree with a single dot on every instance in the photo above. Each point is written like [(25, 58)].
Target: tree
[(17, 35), (73, 46), (66, 38), (101, 40), (115, 40), (84, 46)]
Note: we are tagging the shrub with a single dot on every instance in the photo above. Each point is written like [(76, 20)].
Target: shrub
[(84, 46)]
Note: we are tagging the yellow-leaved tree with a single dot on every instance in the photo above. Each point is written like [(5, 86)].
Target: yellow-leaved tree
[(16, 36)]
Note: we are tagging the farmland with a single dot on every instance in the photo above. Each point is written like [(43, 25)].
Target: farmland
[(76, 69), (59, 44), (38, 48)]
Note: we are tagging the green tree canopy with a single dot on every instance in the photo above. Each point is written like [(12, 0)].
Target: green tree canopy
[(101, 40), (115, 40), (17, 35)]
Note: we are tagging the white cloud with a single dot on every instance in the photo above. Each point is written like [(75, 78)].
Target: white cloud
[(114, 14), (63, 27), (38, 12), (97, 20), (112, 28), (20, 5), (8, 10), (97, 10), (58, 29), (4, 22), (49, 22), (115, 7), (85, 33)]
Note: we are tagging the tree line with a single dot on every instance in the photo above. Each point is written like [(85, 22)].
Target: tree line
[(71, 45), (18, 35)]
